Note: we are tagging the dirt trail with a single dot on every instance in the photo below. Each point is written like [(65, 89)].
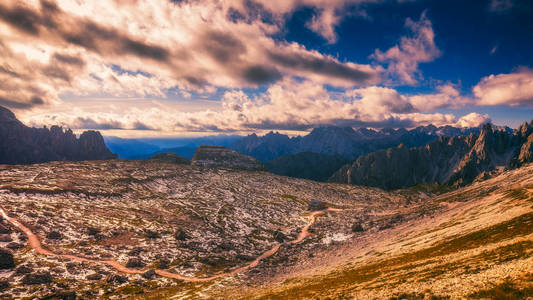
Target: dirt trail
[(35, 244)]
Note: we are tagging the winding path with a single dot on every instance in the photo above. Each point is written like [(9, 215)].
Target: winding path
[(35, 244)]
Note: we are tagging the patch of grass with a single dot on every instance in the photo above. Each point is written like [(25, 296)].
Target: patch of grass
[(287, 196), (506, 290), (517, 194), (518, 226)]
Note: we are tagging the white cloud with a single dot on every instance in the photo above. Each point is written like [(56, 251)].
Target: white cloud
[(473, 120), (506, 89), (403, 59), (192, 46)]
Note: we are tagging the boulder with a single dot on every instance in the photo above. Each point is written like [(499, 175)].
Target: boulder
[(54, 235), (6, 259), (94, 276), (180, 235), (117, 279), (135, 263), (357, 227), (37, 278), (316, 205), (279, 236), (150, 274), (4, 229)]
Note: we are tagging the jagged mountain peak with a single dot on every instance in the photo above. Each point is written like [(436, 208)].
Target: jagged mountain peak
[(20, 144)]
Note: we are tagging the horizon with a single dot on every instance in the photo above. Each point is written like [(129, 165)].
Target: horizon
[(172, 69)]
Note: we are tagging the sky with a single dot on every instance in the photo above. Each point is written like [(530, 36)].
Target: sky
[(202, 67)]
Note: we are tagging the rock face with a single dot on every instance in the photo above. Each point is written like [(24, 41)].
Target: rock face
[(170, 158), (220, 156), (449, 160), (344, 141), (20, 144), (306, 165)]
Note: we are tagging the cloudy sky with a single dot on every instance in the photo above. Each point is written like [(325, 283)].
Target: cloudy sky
[(202, 67)]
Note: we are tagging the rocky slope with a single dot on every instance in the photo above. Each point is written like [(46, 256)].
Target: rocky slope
[(170, 158), (154, 219), (20, 144), (220, 156), (449, 160), (345, 141)]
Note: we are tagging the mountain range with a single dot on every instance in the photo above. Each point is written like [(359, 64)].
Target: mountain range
[(345, 141), (20, 144), (457, 160)]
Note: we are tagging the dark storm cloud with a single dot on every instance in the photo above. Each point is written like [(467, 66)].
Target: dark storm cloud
[(261, 74), (141, 126), (69, 59), (89, 123), (21, 18), (103, 40), (33, 101), (56, 72), (78, 31), (319, 65), (222, 46)]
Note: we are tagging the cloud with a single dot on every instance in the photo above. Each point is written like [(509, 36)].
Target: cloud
[(287, 105), (473, 120), (506, 89), (193, 46), (403, 59)]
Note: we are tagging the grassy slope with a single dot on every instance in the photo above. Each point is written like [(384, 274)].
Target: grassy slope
[(481, 247)]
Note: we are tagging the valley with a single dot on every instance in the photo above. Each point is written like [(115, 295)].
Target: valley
[(152, 229)]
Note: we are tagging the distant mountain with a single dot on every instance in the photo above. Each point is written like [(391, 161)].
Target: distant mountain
[(457, 160), (170, 158), (308, 165), (186, 151), (128, 148), (144, 148), (20, 144), (345, 141), (220, 156)]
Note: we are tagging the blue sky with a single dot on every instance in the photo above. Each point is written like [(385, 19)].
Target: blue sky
[(162, 68)]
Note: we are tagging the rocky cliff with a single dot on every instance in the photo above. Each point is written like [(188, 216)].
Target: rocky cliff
[(220, 156), (20, 144), (455, 160)]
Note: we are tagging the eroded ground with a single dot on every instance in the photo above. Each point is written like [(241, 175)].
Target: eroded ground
[(198, 223)]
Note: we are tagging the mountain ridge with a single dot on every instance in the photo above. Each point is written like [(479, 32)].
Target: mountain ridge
[(20, 144), (455, 160)]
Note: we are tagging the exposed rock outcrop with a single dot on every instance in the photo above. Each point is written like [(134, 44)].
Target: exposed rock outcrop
[(170, 158), (220, 156), (449, 160), (20, 144)]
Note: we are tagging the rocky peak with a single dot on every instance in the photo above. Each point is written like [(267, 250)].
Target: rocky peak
[(220, 156), (20, 144)]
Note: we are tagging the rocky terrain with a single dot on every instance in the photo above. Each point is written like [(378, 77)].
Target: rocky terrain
[(455, 160), (20, 144), (152, 229), (220, 156), (344, 141)]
